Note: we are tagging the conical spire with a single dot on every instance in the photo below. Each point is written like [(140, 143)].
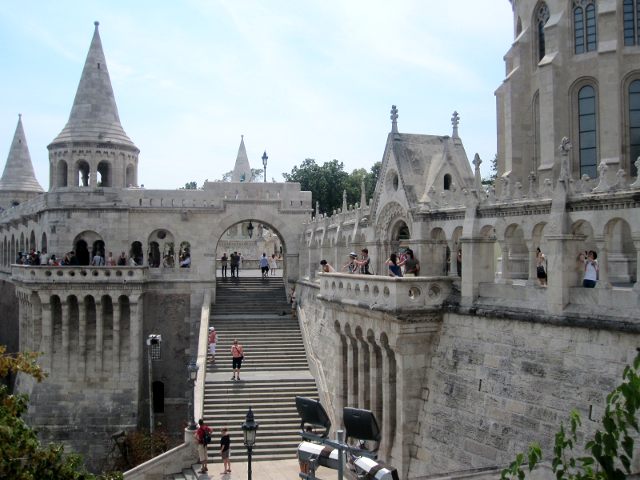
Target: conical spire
[(18, 172), (94, 115), (242, 169)]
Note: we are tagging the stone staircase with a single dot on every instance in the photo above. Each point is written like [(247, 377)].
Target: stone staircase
[(256, 313)]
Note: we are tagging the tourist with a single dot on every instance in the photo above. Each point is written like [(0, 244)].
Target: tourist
[(225, 447), (122, 260), (292, 301), (186, 261), (364, 263), (240, 260), (411, 265), (326, 268), (541, 271), (223, 265), (97, 260), (202, 433), (234, 264), (591, 270), (304, 464), (110, 260), (351, 266), (264, 265), (459, 262), (213, 338), (53, 261), (273, 264), (237, 353), (394, 268), (132, 262)]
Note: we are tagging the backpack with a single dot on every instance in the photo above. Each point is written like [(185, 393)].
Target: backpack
[(206, 438)]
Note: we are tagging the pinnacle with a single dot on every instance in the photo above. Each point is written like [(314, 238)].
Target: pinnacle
[(18, 172)]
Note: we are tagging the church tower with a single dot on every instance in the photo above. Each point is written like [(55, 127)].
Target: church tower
[(18, 182), (93, 150), (573, 71)]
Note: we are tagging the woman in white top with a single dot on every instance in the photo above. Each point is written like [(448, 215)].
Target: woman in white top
[(273, 264), (590, 270)]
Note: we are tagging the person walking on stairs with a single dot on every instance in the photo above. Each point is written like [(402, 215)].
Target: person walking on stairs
[(225, 447), (203, 437), (213, 338), (238, 355)]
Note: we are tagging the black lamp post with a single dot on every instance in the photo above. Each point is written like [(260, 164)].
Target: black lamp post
[(264, 163), (249, 429), (250, 229), (192, 368)]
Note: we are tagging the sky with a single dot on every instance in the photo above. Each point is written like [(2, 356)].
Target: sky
[(298, 78)]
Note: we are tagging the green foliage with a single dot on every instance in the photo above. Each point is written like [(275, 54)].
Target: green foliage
[(609, 453), (328, 181), (494, 172), (21, 455), (190, 186), (141, 446)]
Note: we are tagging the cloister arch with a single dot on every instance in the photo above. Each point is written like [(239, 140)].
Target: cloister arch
[(621, 252), (515, 261), (161, 249), (86, 245), (82, 173), (62, 172), (105, 175)]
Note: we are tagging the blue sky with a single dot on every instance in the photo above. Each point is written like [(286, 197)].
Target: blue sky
[(301, 79)]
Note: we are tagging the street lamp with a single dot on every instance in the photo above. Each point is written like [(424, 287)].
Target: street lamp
[(192, 368), (249, 429), (250, 229), (264, 163)]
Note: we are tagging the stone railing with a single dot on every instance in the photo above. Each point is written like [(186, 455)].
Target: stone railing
[(78, 274), (385, 293)]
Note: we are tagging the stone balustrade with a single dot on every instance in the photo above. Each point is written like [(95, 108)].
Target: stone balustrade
[(78, 274), (385, 293)]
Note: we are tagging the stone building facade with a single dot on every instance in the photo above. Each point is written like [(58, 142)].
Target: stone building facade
[(462, 369)]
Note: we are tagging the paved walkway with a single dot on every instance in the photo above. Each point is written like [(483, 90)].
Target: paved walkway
[(276, 470)]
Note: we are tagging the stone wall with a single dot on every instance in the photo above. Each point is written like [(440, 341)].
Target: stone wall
[(487, 386), (9, 318)]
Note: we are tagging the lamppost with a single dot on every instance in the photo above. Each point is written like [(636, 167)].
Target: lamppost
[(192, 368), (264, 163), (250, 229), (249, 429)]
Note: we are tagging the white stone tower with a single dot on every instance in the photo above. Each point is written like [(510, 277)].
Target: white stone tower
[(93, 150), (573, 71), (242, 169), (18, 182)]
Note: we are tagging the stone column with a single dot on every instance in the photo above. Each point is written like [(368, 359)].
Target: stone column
[(375, 378), (116, 337), (82, 338), (47, 334), (636, 244), (64, 305), (99, 336), (22, 323), (603, 263), (532, 278), (136, 316), (506, 268), (477, 266), (561, 265), (388, 399)]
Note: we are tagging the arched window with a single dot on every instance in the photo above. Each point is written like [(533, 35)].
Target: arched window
[(536, 131), (447, 182), (634, 125), (584, 25), (631, 28), (542, 17), (587, 131), (158, 396)]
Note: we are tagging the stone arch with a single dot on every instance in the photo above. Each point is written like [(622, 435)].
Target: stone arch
[(89, 308), (158, 396), (86, 245), (43, 242), (32, 241), (104, 351), (516, 263), (13, 255), (389, 416), (122, 331), (621, 252), (364, 370), (105, 174), (136, 253), (376, 374), (55, 305), (584, 231), (76, 351), (22, 244), (62, 173), (82, 173), (161, 248)]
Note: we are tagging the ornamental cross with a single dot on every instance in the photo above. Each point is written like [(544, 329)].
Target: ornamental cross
[(477, 161), (394, 119)]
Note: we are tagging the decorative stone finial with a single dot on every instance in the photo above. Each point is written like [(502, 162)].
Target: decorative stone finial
[(344, 200), (363, 194), (394, 119), (19, 116), (96, 23), (565, 147), (455, 120), (603, 185), (636, 184)]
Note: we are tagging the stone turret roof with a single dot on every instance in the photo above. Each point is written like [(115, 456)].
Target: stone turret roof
[(242, 169), (18, 172), (94, 115)]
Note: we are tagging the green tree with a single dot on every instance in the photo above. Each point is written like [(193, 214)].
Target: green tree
[(493, 173), (190, 186), (21, 455), (326, 182), (256, 175), (608, 453)]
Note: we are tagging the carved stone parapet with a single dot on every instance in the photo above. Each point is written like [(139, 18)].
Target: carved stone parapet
[(78, 275)]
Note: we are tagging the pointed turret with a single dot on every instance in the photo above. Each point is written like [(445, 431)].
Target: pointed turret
[(18, 182), (93, 146), (242, 169)]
